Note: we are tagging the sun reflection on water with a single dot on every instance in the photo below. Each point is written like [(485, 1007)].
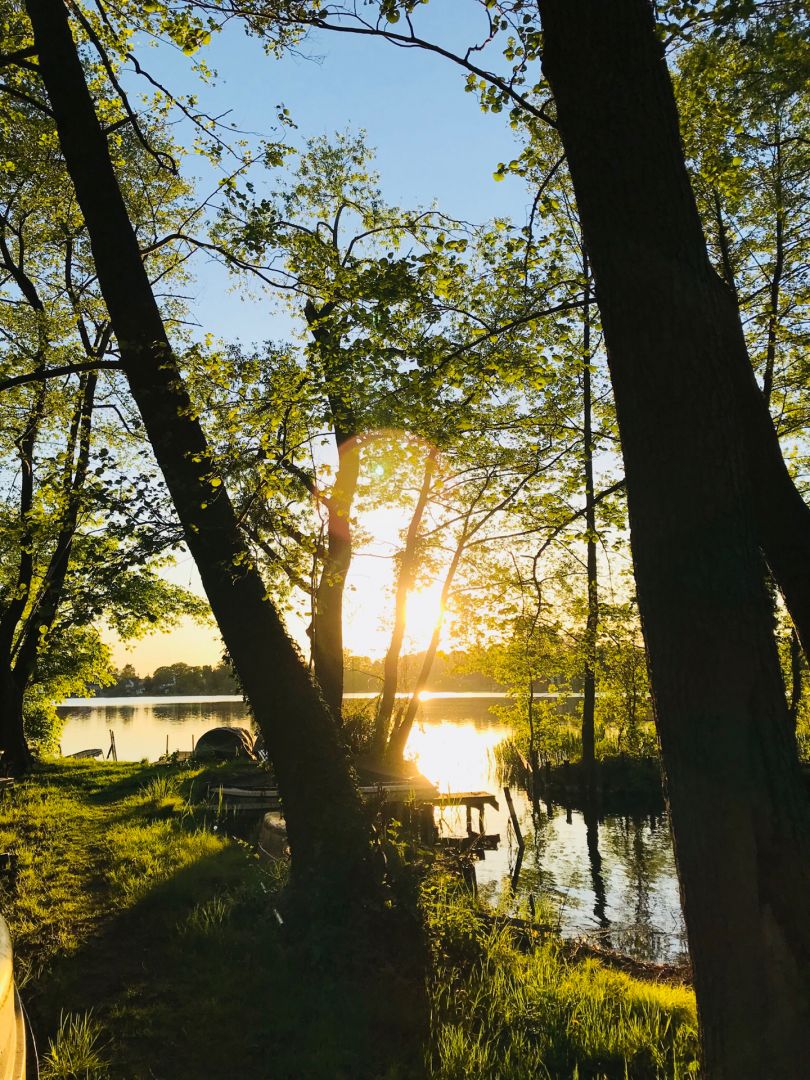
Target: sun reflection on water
[(455, 756)]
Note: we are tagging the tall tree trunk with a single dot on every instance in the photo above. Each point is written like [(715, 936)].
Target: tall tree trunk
[(327, 608), (592, 621), (43, 612), (16, 754), (405, 581), (327, 616), (740, 814), (322, 808)]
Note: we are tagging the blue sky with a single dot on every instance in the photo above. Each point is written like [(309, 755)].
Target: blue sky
[(433, 143), (432, 140)]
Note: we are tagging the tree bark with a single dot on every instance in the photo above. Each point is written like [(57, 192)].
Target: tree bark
[(43, 612), (327, 617), (16, 753), (327, 612), (324, 818), (689, 415), (405, 581)]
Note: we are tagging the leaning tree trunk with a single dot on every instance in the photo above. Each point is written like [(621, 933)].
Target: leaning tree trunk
[(740, 814), (322, 809), (405, 580), (398, 739)]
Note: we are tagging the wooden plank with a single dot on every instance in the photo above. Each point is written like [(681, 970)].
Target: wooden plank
[(476, 842), (476, 799)]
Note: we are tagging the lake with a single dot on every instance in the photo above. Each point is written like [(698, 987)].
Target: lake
[(613, 880)]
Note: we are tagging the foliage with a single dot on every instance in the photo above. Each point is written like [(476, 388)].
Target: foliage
[(71, 665)]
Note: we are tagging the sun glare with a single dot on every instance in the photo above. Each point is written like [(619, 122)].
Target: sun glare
[(424, 611), (454, 756)]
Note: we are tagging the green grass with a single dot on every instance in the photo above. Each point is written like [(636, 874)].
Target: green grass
[(76, 1051), (148, 947), (500, 1009)]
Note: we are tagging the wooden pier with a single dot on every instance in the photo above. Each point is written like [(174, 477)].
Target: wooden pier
[(390, 792)]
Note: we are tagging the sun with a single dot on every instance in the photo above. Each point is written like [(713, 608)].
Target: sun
[(423, 613)]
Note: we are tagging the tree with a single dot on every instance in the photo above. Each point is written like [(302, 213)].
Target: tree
[(402, 309), (85, 538), (678, 366), (708, 493), (327, 835)]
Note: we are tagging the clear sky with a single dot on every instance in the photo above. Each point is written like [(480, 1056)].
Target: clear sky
[(432, 142)]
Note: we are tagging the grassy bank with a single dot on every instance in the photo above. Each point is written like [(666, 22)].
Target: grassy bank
[(148, 946)]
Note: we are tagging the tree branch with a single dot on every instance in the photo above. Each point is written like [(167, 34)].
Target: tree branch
[(56, 372)]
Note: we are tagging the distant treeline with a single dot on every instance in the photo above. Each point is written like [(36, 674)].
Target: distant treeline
[(172, 679), (363, 675)]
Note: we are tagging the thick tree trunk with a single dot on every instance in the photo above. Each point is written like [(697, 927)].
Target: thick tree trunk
[(322, 808), (592, 620), (16, 754), (405, 580), (740, 815), (327, 618)]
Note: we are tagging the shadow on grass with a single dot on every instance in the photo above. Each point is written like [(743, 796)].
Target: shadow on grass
[(198, 979)]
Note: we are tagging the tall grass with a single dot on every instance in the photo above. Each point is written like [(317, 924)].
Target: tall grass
[(501, 1010), (77, 1051)]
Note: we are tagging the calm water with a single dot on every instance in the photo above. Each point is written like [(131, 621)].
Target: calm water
[(613, 879)]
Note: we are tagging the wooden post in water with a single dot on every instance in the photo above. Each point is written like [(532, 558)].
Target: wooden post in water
[(507, 794), (112, 752)]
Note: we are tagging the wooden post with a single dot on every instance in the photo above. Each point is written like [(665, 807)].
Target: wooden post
[(515, 823), (112, 752)]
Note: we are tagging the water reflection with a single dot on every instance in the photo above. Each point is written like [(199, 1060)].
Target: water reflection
[(146, 727), (595, 861), (610, 877)]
